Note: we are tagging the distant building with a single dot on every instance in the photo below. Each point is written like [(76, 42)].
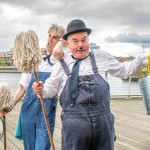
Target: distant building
[(93, 46), (6, 56)]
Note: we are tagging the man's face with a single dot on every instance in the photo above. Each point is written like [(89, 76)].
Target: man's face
[(79, 44), (53, 38)]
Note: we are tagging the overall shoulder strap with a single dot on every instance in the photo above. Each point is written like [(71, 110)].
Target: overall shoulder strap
[(65, 67), (93, 62)]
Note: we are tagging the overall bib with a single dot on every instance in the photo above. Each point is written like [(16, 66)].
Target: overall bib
[(89, 124), (35, 135)]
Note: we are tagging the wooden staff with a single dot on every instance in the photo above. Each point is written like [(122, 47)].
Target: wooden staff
[(4, 130)]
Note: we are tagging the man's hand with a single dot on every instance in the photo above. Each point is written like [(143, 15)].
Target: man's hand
[(122, 59), (58, 52), (38, 87)]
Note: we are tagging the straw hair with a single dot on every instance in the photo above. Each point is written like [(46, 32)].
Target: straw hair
[(5, 96), (27, 55)]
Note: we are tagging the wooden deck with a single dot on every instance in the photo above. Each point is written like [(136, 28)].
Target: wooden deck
[(132, 126)]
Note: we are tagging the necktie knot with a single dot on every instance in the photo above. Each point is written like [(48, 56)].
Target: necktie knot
[(47, 57), (77, 61)]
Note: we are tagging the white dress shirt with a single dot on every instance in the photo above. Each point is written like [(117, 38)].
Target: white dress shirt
[(105, 63)]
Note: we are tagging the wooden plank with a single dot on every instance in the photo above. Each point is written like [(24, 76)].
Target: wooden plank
[(131, 124)]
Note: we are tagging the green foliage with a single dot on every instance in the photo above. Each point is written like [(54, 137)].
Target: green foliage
[(145, 69), (4, 63)]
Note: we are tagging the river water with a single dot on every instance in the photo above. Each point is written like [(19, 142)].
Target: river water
[(118, 87), (12, 79)]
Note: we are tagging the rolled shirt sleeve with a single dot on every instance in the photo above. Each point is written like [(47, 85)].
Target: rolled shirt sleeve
[(125, 69), (109, 64), (54, 84), (25, 79)]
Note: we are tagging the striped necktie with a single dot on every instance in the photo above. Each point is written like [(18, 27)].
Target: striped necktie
[(73, 82)]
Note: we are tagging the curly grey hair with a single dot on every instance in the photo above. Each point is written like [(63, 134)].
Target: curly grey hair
[(59, 29)]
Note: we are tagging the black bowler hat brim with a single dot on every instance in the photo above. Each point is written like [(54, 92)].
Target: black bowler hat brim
[(76, 31)]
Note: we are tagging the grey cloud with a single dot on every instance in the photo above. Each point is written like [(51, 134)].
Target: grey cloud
[(129, 38), (135, 38), (24, 3), (98, 14)]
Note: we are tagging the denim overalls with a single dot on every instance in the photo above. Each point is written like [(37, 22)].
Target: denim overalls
[(35, 135), (89, 124)]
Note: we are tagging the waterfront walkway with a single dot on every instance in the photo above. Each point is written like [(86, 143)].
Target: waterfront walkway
[(132, 126)]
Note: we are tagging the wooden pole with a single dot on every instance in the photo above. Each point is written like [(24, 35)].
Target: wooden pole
[(1, 126), (45, 115), (130, 78), (4, 129)]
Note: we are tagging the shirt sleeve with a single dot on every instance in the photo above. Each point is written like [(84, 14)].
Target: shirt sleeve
[(25, 80), (53, 84), (54, 60)]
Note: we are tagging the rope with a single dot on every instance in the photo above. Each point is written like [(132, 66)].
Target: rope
[(27, 55), (5, 96)]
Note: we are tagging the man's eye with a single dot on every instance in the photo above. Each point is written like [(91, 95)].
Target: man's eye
[(55, 38)]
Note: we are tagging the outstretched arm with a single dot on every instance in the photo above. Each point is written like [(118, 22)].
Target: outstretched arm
[(19, 94)]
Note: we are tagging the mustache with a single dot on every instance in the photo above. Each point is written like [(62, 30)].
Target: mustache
[(80, 48)]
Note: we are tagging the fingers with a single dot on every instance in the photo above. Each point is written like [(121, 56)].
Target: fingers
[(58, 52), (37, 87), (4, 111), (122, 59), (125, 59)]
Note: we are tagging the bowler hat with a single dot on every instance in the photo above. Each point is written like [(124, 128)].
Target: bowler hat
[(76, 26)]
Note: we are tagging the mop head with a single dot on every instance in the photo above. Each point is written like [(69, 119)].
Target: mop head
[(27, 55), (5, 97)]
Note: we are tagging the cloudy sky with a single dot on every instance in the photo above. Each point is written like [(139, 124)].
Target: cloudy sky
[(120, 27)]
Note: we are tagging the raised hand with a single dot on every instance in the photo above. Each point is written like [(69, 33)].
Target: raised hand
[(58, 52)]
